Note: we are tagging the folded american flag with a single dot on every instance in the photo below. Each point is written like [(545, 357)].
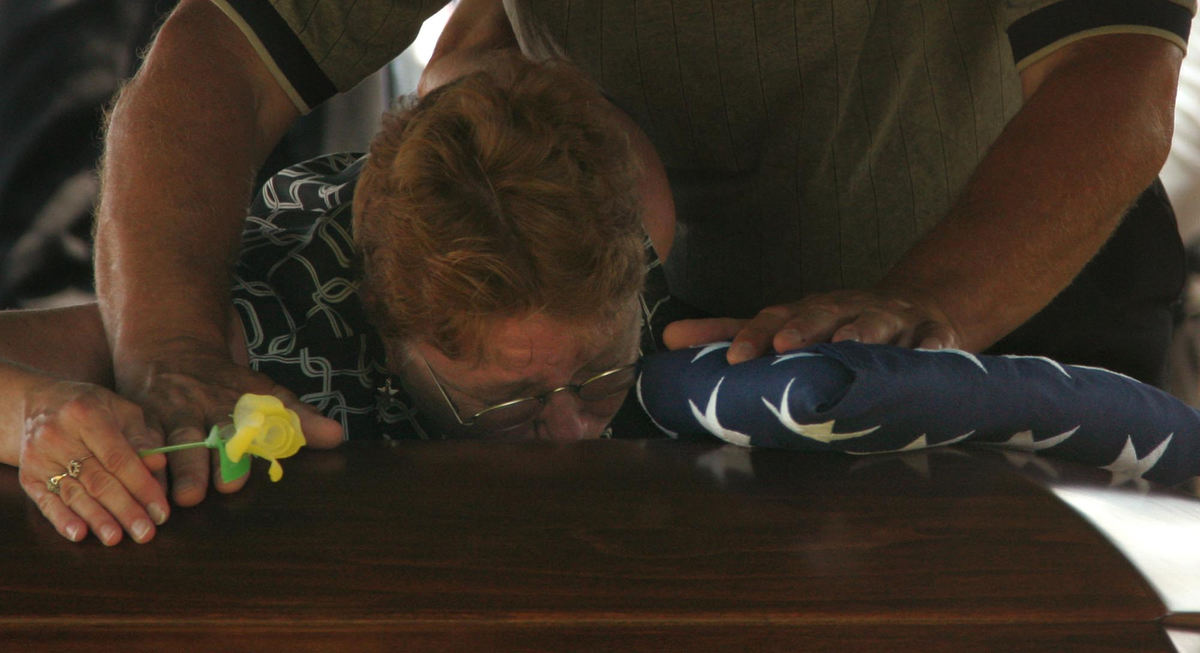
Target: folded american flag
[(863, 399)]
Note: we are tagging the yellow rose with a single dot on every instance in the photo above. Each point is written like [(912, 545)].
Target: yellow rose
[(264, 427)]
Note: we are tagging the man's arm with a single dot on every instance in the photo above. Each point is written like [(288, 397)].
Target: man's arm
[(1092, 134), (184, 141), (183, 144)]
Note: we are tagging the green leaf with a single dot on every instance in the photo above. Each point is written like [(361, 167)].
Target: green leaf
[(214, 441), (230, 471)]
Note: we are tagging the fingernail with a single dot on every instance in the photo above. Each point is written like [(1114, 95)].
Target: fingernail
[(791, 338), (187, 492), (109, 534), (157, 513), (74, 532), (140, 528), (741, 351)]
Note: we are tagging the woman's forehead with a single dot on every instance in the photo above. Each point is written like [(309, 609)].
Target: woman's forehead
[(540, 349), (514, 343)]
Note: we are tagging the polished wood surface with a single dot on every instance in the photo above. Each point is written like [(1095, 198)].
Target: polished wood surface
[(650, 545)]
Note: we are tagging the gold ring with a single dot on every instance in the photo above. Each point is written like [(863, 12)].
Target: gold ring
[(75, 465), (54, 483)]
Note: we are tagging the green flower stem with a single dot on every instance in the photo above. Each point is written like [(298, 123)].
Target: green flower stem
[(170, 448), (213, 441)]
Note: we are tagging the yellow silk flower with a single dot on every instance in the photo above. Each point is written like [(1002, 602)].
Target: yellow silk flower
[(264, 427)]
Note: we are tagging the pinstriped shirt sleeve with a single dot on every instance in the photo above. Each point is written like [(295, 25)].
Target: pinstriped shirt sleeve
[(1038, 27), (316, 48)]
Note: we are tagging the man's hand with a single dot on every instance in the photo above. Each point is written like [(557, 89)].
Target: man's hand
[(185, 388), (1097, 115), (183, 142), (860, 315)]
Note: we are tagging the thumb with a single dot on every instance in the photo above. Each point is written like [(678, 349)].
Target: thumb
[(320, 432), (691, 333)]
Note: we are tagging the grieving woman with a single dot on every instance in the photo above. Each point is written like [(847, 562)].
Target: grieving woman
[(482, 273)]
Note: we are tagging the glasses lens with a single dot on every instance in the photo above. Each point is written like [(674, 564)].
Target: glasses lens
[(608, 385), (508, 416), (523, 411)]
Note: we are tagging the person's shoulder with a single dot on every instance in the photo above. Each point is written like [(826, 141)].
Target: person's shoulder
[(1036, 28), (297, 239), (319, 184), (316, 48)]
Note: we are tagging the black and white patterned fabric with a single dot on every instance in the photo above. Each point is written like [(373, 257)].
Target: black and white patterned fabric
[(295, 289)]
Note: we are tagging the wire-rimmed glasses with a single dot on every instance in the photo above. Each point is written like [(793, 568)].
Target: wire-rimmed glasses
[(518, 412)]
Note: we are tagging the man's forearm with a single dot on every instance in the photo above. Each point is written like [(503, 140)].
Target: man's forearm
[(183, 144), (1049, 194)]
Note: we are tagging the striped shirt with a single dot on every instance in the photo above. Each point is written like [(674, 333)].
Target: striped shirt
[(809, 143)]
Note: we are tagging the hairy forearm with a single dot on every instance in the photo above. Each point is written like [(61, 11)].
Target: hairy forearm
[(1047, 196), (182, 147)]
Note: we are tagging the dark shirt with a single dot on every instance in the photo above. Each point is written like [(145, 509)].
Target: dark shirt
[(296, 290)]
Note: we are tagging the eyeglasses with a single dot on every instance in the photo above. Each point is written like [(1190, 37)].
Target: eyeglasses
[(518, 412)]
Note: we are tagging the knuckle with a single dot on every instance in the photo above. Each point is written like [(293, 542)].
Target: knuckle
[(99, 485), (777, 312), (822, 308), (753, 334), (72, 492), (181, 424), (862, 327), (81, 409), (898, 305), (892, 321), (283, 394), (184, 434), (45, 503), (175, 396), (876, 332), (131, 413), (116, 458)]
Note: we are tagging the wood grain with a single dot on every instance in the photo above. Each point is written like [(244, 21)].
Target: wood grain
[(534, 546)]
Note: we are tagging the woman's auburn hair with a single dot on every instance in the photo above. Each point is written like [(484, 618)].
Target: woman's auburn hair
[(509, 192)]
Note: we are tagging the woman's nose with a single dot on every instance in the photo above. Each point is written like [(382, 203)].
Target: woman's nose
[(563, 418)]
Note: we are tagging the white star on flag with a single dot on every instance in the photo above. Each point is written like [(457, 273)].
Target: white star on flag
[(1128, 467), (710, 349), (710, 422), (1024, 441), (822, 432), (958, 352)]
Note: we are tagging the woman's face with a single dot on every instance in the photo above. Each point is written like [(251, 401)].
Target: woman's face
[(526, 357)]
